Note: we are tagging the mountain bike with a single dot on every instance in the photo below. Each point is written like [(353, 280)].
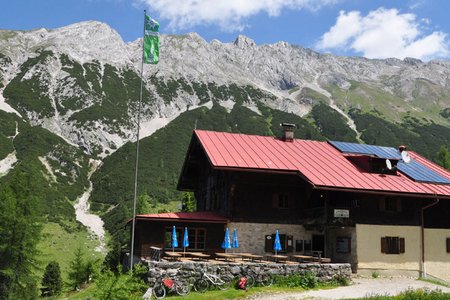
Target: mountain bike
[(166, 283), (254, 278), (206, 280)]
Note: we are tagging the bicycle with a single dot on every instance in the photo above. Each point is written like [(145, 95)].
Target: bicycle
[(204, 282), (254, 278), (166, 283)]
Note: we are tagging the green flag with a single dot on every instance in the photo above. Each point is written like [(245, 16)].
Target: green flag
[(151, 41)]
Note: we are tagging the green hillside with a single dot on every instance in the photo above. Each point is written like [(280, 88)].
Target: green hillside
[(41, 187)]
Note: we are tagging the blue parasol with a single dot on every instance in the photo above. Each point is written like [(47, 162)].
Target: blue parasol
[(226, 244), (277, 244), (174, 239), (235, 243), (185, 240)]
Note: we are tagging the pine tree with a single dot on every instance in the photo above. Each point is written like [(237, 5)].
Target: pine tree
[(52, 278), (444, 157), (20, 229), (77, 274), (188, 202)]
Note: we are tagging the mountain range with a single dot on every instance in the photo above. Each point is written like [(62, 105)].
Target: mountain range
[(68, 101)]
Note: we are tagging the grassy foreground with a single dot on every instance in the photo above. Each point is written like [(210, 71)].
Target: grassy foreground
[(59, 245)]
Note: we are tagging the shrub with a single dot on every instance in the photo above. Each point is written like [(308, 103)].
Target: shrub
[(121, 286), (52, 279), (375, 274), (341, 280), (308, 280)]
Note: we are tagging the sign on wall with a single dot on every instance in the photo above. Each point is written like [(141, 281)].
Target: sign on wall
[(341, 213)]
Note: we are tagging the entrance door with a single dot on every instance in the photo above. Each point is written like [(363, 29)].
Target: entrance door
[(318, 243)]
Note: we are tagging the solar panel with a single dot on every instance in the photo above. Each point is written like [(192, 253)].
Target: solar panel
[(380, 151), (414, 169), (419, 172)]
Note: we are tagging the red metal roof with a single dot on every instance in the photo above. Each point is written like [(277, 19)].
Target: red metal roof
[(319, 162), (198, 216)]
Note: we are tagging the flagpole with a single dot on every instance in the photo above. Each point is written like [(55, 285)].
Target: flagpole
[(137, 149)]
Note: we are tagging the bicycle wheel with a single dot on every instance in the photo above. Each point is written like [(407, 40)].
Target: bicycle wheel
[(159, 291), (225, 283), (250, 280), (182, 287), (265, 279), (201, 285)]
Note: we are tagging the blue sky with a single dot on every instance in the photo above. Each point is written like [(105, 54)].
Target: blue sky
[(374, 29)]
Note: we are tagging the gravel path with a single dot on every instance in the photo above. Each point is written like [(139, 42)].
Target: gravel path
[(360, 289)]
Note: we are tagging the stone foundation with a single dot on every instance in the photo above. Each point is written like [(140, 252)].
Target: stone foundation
[(189, 270)]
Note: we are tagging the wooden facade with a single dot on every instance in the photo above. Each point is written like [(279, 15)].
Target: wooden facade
[(279, 197)]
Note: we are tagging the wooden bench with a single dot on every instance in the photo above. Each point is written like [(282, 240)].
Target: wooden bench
[(172, 255), (251, 257), (198, 255), (278, 258), (302, 258), (225, 256)]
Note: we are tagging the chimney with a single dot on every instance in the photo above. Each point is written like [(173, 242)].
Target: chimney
[(288, 132), (401, 148)]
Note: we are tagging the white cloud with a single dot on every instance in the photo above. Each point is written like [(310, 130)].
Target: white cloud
[(384, 33), (229, 15)]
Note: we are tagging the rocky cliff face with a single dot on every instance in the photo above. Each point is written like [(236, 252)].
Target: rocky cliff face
[(82, 82)]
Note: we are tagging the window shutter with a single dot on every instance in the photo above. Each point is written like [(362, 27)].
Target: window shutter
[(292, 200), (401, 245), (399, 205), (382, 204), (448, 245), (384, 245), (289, 243), (269, 243), (275, 201)]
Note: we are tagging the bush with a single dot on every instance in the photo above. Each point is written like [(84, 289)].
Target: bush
[(340, 280), (308, 280), (121, 286), (52, 279)]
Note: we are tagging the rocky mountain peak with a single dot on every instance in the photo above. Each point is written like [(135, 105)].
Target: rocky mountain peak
[(244, 42)]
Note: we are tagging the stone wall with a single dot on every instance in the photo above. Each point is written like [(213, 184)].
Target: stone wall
[(190, 270), (252, 235)]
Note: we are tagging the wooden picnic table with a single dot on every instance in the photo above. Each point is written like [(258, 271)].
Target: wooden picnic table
[(172, 255), (302, 258), (226, 256), (251, 257), (198, 255), (278, 257)]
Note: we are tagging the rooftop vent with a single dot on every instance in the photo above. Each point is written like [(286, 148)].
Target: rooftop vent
[(288, 132)]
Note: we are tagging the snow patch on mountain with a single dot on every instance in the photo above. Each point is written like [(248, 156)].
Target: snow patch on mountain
[(49, 169), (6, 107), (7, 163)]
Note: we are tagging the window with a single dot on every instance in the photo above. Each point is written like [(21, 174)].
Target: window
[(392, 245), (448, 245), (197, 238), (390, 204), (343, 244), (280, 201)]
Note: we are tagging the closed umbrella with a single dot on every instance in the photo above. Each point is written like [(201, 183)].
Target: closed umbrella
[(226, 244), (174, 239), (185, 240), (277, 243), (235, 242)]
